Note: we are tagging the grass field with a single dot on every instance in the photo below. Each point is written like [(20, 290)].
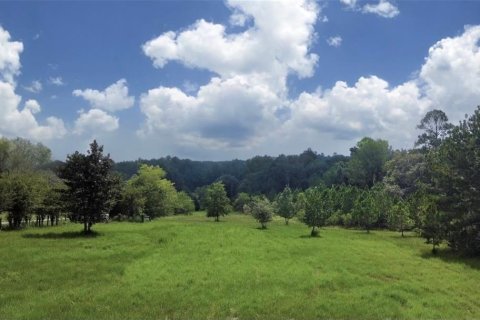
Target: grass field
[(191, 267)]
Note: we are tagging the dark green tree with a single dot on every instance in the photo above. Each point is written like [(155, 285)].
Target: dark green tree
[(90, 186), (217, 202), (436, 128), (367, 162), (433, 224)]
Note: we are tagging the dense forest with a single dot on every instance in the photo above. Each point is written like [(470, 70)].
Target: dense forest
[(432, 189)]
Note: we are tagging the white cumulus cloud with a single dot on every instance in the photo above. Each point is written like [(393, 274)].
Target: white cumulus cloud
[(14, 120), (113, 98), (383, 8), (95, 120)]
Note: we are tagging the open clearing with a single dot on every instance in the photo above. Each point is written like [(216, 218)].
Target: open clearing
[(191, 267)]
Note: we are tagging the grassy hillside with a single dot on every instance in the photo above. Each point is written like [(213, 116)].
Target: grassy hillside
[(191, 267)]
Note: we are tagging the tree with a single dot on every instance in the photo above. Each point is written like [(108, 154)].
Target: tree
[(284, 205), (365, 211), (159, 193), (241, 200), (456, 176), (433, 226), (183, 203), (399, 218), (262, 210), (90, 185), (315, 213), (367, 162), (436, 126), (217, 202)]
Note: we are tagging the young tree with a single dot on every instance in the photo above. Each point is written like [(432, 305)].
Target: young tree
[(90, 185), (436, 126), (184, 204), (399, 218), (365, 211), (433, 227), (217, 202), (284, 205), (315, 213), (262, 210), (159, 193), (241, 200)]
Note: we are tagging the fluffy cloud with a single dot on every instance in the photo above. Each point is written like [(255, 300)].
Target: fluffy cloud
[(246, 97), (22, 122), (335, 41), (276, 44), (34, 87), (383, 8), (57, 81), (113, 98), (224, 113), (95, 120), (451, 73), (9, 56), (16, 121)]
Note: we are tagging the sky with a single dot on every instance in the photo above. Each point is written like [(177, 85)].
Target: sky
[(218, 80)]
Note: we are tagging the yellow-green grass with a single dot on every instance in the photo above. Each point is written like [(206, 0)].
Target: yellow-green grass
[(189, 267)]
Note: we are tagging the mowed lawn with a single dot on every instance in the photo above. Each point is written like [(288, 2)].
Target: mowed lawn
[(191, 267)]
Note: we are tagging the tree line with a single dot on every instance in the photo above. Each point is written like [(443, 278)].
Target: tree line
[(431, 189)]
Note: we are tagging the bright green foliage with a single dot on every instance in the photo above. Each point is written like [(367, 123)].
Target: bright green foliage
[(91, 187), (217, 202), (262, 210), (131, 202), (23, 193), (284, 204), (399, 218), (241, 200), (365, 210), (183, 203), (316, 212), (367, 162), (158, 193), (433, 227), (406, 173), (51, 205)]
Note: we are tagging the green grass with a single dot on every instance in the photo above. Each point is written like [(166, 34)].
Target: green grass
[(191, 267)]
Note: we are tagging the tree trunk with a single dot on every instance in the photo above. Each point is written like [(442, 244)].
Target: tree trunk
[(286, 221), (217, 218), (313, 233), (85, 224), (402, 233)]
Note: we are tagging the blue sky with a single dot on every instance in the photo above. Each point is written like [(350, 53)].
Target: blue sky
[(232, 79)]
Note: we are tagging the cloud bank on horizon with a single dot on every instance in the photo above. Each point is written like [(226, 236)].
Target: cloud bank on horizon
[(247, 105)]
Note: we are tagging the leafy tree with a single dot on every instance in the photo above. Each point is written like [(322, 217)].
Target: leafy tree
[(367, 162), (406, 172), (365, 211), (184, 204), (315, 213), (90, 185), (131, 202), (284, 205), (436, 126), (23, 191), (217, 202), (230, 183), (262, 210), (399, 218), (158, 193), (433, 227), (25, 155), (456, 174), (241, 200)]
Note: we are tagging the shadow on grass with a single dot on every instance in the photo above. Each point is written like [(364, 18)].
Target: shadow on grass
[(62, 235), (307, 236), (449, 256)]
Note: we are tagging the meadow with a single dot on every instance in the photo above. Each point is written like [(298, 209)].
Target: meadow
[(191, 267)]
